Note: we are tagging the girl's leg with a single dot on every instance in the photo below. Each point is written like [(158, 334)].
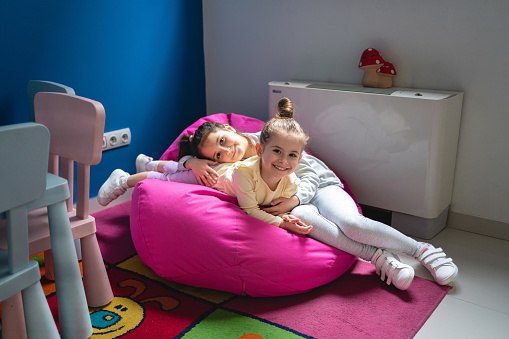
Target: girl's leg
[(132, 180), (186, 177), (147, 164), (168, 166), (328, 233), (387, 265), (337, 206), (119, 182)]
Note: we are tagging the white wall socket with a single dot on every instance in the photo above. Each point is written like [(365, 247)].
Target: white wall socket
[(115, 139)]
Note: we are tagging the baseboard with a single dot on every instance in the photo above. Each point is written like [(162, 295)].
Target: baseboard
[(473, 224)]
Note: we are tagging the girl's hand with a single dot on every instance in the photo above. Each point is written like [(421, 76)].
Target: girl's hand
[(205, 174), (293, 224), (282, 205)]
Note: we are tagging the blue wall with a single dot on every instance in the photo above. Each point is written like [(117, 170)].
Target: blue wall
[(143, 61)]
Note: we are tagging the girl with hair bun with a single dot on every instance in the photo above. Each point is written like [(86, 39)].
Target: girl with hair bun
[(319, 206), (269, 175)]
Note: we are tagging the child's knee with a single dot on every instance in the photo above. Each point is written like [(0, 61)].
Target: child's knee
[(303, 210)]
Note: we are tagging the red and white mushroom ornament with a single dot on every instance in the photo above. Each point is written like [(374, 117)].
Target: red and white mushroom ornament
[(370, 62), (385, 74)]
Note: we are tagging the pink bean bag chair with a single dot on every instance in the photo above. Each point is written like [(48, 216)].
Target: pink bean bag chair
[(198, 236)]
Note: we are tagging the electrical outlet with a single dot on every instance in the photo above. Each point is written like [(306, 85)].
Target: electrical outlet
[(115, 139)]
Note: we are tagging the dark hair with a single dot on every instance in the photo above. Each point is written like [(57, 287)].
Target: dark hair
[(189, 144), (283, 122)]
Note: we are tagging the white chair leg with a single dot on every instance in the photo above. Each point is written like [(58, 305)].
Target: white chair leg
[(38, 318), (74, 318)]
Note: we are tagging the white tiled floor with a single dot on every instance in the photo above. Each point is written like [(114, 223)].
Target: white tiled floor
[(478, 304)]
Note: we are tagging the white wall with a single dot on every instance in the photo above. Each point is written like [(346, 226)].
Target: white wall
[(434, 44)]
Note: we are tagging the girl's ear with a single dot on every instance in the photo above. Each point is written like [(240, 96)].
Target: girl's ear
[(259, 150), (229, 128)]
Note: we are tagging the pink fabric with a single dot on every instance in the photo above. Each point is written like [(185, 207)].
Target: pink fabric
[(198, 236)]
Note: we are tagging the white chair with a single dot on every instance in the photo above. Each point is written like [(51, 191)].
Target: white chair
[(23, 169)]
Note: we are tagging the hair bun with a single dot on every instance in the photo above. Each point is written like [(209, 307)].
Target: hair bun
[(285, 109)]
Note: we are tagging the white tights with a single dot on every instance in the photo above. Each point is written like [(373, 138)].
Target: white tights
[(337, 222), (170, 173)]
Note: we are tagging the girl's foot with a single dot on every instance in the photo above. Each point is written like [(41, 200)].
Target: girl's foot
[(388, 266), (434, 259), (115, 186), (141, 163)]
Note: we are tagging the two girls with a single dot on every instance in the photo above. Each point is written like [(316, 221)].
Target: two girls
[(319, 201)]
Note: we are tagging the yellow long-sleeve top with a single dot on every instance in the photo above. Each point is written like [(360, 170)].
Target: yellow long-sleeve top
[(243, 180)]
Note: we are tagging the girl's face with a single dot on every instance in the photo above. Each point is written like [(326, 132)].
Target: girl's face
[(224, 146), (280, 157)]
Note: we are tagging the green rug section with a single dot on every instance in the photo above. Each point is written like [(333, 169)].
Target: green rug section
[(224, 324)]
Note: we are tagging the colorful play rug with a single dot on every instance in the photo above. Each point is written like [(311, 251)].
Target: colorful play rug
[(357, 305)]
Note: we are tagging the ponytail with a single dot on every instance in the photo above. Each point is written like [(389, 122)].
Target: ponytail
[(185, 145)]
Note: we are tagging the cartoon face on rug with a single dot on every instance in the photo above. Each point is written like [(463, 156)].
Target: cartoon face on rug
[(124, 314), (117, 318)]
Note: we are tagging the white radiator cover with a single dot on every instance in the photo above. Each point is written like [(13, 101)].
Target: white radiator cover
[(396, 148)]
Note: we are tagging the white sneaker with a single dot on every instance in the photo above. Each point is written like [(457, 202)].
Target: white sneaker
[(141, 163), (114, 187), (434, 259), (388, 266)]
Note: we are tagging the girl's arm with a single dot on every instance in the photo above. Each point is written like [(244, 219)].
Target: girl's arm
[(246, 197), (282, 205), (309, 180), (201, 168), (308, 185), (182, 162)]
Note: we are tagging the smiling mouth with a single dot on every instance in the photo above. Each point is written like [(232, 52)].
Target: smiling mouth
[(279, 168)]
